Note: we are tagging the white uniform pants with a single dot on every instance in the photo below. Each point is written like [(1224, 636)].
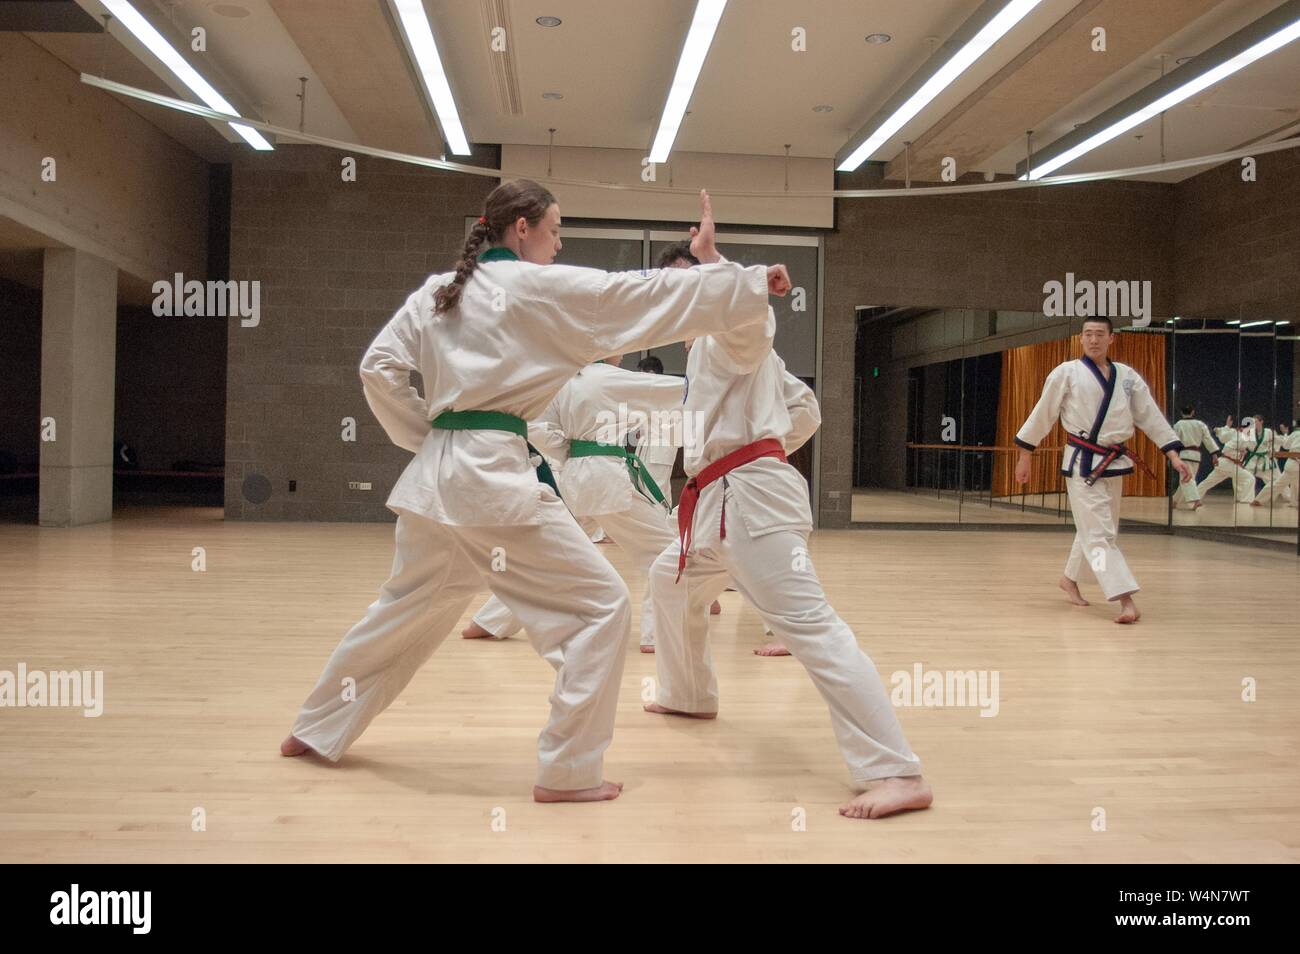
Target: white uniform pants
[(642, 532), (773, 572), (574, 604), (1243, 481), (1188, 492), (1280, 483), (1096, 526)]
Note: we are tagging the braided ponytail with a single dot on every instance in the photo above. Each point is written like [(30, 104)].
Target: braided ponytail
[(506, 204)]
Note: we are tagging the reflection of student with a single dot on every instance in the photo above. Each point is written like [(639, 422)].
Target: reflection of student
[(1259, 458), (1194, 435), (1098, 402), (1286, 485), (1234, 444)]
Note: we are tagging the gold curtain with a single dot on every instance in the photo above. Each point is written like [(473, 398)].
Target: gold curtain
[(1023, 372)]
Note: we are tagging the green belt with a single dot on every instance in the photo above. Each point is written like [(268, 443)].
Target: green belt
[(495, 421), (641, 479), (1262, 455)]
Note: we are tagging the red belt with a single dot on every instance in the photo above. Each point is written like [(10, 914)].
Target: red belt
[(1108, 455), (768, 447)]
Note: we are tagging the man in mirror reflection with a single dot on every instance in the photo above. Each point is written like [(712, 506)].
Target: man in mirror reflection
[(1195, 435), (1260, 461), (1235, 443), (1286, 482)]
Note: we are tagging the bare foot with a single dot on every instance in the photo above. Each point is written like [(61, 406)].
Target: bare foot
[(715, 609), (292, 745), (888, 796), (772, 649), (1128, 611), (1256, 503), (656, 707), (1196, 505), (604, 792), (647, 649), (1071, 589), (475, 631)]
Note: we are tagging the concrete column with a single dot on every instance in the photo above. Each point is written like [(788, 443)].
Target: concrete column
[(78, 356)]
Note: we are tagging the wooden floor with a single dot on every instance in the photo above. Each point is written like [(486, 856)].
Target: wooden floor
[(204, 671)]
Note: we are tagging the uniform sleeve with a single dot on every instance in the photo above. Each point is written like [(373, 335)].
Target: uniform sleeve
[(805, 414), (1046, 412), (1148, 416), (386, 374), (1208, 441), (643, 391), (744, 349), (640, 310)]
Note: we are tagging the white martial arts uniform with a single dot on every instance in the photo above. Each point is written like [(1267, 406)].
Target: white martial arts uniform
[(1234, 446), (1259, 459), (471, 498), (1285, 484), (1194, 435), (602, 403), (739, 392), (1102, 411)]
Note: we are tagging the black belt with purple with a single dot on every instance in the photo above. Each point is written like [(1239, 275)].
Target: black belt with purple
[(1108, 456)]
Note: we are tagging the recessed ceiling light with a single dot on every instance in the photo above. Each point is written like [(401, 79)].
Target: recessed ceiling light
[(878, 38), (822, 108), (552, 96), (549, 21), (232, 10)]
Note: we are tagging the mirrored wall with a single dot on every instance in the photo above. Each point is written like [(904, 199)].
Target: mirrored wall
[(941, 392), (1237, 373)]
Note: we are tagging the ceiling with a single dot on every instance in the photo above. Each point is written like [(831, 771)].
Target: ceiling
[(612, 62)]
